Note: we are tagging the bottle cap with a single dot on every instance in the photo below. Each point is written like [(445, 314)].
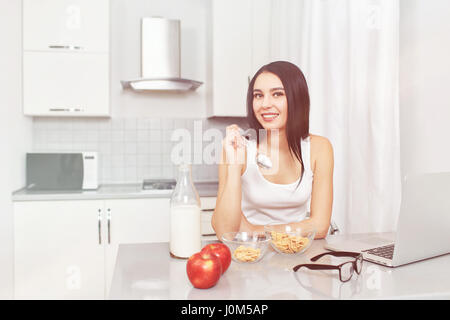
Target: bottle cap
[(184, 167)]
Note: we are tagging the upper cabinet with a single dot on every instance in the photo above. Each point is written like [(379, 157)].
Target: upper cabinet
[(261, 11), (81, 25), (231, 56), (65, 83), (240, 46), (66, 58)]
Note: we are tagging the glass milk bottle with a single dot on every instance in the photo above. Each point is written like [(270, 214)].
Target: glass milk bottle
[(185, 234)]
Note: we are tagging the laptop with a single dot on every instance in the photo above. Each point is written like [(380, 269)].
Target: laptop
[(423, 228)]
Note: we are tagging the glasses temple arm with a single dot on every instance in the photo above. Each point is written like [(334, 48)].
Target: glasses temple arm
[(316, 267)]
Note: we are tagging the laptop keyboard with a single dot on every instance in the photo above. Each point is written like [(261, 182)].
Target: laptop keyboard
[(385, 251)]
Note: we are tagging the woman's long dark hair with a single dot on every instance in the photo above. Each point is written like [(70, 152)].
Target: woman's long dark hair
[(297, 95)]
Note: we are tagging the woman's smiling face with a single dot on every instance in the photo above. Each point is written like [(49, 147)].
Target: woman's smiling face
[(269, 101)]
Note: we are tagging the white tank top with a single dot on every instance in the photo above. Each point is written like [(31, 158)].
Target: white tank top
[(264, 202)]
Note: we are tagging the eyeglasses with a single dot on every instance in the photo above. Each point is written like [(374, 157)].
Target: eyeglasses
[(346, 269)]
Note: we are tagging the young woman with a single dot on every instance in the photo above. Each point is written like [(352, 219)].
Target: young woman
[(301, 177)]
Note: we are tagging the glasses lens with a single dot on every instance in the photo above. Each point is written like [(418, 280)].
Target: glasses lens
[(359, 262), (346, 271)]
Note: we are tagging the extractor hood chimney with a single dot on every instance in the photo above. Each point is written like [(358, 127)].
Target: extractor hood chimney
[(160, 58)]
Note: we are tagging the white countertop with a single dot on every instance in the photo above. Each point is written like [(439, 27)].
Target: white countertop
[(146, 271), (110, 191)]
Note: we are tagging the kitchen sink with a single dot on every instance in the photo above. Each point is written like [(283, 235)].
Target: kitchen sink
[(158, 184)]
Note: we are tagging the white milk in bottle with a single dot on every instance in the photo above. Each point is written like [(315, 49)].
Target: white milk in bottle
[(185, 233)]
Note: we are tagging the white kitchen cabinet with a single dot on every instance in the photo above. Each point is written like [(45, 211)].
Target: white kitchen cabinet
[(208, 205), (66, 58), (240, 45), (133, 221), (261, 30), (65, 83), (58, 25), (67, 249), (58, 252), (231, 57)]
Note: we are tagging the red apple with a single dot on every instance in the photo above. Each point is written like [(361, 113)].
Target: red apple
[(204, 270), (222, 252)]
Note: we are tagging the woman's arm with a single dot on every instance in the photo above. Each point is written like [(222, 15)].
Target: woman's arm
[(227, 213), (322, 188), (321, 196)]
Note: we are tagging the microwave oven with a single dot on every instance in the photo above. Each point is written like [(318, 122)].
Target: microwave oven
[(62, 171)]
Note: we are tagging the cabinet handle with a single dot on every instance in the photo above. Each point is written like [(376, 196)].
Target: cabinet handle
[(65, 47), (99, 226), (58, 109), (77, 109), (109, 225)]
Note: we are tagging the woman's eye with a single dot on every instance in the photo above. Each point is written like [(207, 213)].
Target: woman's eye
[(278, 94), (257, 95)]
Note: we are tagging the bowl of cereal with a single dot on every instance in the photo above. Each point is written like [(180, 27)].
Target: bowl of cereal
[(246, 247), (289, 240)]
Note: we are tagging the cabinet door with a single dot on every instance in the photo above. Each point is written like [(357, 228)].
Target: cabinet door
[(134, 221), (64, 83), (261, 30), (58, 250), (208, 205), (56, 24), (231, 46)]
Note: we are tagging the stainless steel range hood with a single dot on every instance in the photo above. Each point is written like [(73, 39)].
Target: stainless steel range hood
[(160, 58)]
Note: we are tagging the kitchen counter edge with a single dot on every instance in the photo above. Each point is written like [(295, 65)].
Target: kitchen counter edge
[(110, 191)]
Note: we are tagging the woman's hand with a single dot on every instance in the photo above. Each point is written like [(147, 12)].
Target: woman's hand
[(234, 147)]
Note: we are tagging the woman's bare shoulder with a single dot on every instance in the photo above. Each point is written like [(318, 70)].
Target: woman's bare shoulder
[(319, 142), (321, 149)]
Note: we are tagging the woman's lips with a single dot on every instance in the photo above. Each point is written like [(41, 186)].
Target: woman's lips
[(268, 117)]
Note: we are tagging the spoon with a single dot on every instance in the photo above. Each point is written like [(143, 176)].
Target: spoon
[(262, 160)]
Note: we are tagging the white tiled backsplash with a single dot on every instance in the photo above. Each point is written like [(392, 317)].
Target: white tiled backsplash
[(130, 149)]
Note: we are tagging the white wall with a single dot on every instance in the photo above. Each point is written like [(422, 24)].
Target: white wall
[(424, 85), (15, 134)]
